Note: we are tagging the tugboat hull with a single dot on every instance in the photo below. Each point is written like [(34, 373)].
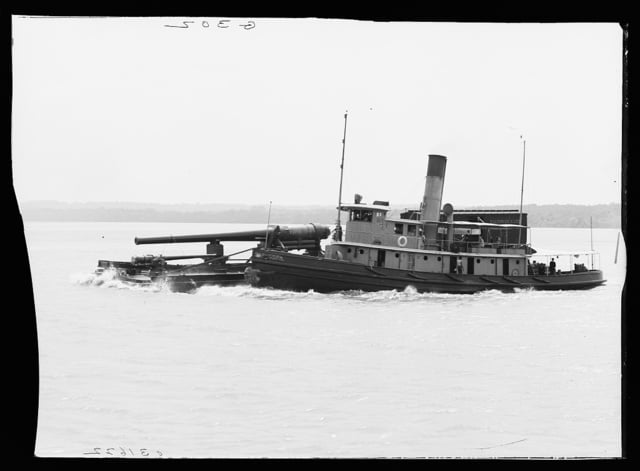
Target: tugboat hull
[(287, 271)]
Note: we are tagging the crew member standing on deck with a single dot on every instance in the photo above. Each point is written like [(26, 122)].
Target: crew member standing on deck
[(552, 267)]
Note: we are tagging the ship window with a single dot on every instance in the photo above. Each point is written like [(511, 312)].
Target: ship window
[(425, 258), (361, 215), (439, 259), (517, 262), (397, 255), (477, 260), (492, 261), (361, 251), (397, 228), (411, 230), (349, 250)]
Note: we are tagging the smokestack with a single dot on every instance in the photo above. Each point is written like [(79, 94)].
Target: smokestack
[(433, 196)]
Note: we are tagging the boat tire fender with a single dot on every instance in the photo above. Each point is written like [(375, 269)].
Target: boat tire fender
[(402, 241), (515, 272)]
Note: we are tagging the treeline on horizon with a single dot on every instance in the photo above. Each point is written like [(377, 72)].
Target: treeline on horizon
[(556, 215)]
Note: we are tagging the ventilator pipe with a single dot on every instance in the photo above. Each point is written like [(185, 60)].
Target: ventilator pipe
[(447, 209)]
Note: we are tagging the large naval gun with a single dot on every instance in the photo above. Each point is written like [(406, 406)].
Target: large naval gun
[(216, 268)]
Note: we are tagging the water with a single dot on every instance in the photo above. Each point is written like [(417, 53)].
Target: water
[(245, 372)]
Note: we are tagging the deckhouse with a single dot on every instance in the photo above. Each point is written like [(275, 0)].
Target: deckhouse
[(432, 239), (377, 241)]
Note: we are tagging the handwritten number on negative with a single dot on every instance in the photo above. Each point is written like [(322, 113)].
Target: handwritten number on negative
[(184, 22), (123, 452), (221, 24)]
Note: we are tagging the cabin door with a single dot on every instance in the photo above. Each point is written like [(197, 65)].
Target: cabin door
[(505, 266), (411, 262), (380, 260), (470, 261), (452, 264)]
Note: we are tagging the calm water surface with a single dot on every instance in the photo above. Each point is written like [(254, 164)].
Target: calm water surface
[(244, 372)]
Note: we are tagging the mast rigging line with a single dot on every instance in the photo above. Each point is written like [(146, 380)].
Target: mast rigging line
[(338, 233)]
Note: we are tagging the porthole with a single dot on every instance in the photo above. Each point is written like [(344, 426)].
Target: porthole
[(439, 259), (397, 255), (348, 250)]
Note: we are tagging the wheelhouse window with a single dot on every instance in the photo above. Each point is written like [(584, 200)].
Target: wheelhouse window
[(397, 228), (365, 215), (411, 230)]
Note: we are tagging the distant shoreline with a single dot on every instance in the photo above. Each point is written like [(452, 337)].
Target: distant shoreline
[(560, 215)]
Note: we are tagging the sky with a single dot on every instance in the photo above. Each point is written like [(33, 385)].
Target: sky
[(251, 110)]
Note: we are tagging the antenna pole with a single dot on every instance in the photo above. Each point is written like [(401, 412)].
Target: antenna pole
[(615, 260), (338, 233), (591, 232), (524, 146)]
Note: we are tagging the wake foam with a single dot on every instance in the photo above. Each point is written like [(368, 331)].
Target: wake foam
[(248, 291), (109, 279), (409, 294)]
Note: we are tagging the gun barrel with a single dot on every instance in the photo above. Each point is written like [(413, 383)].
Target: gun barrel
[(230, 236), (282, 232)]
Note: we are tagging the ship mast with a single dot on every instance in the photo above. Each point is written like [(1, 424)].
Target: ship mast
[(524, 145), (338, 233), (266, 233)]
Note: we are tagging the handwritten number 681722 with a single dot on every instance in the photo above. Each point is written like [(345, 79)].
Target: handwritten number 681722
[(144, 452)]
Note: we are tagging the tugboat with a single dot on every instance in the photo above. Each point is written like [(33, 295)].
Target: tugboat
[(433, 249), (216, 268)]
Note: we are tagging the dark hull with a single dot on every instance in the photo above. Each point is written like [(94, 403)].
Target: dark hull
[(281, 270), (174, 277), (189, 283)]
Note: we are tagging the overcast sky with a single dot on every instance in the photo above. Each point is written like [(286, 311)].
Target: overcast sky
[(130, 109)]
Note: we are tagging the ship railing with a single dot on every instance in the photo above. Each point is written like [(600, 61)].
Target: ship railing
[(500, 247), (563, 263), (506, 245)]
